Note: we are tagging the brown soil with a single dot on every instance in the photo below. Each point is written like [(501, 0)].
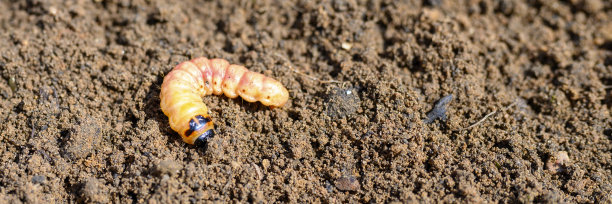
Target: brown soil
[(79, 101)]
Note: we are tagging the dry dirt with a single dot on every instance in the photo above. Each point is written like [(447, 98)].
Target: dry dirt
[(80, 83)]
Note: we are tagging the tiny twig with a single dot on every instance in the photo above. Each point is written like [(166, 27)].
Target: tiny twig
[(488, 115)]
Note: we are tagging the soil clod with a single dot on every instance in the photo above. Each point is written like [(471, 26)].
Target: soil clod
[(348, 183), (168, 167), (557, 162), (94, 191)]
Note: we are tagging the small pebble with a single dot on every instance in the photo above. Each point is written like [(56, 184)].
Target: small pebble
[(265, 164), (38, 179), (439, 110), (346, 46)]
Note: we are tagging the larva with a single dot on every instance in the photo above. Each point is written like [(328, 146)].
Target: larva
[(183, 88)]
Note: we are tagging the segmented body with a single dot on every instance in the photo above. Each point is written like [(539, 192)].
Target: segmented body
[(183, 88)]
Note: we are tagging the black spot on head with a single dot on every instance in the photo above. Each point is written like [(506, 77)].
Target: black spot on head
[(192, 124), (202, 141), (188, 132), (202, 119)]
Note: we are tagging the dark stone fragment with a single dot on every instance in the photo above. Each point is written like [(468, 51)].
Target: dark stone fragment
[(439, 110)]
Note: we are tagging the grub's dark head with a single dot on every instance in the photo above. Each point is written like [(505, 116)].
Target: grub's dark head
[(200, 128)]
